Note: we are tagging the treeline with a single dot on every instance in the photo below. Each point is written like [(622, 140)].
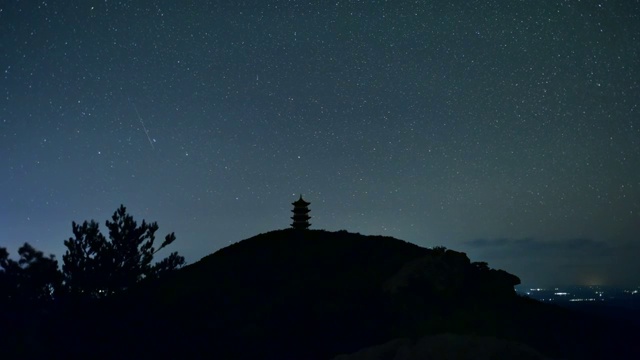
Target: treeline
[(94, 266)]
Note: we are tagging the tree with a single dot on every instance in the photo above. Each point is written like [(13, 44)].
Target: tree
[(94, 266), (481, 265), (33, 278), (439, 250)]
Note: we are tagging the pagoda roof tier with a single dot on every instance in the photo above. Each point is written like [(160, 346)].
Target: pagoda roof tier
[(301, 217), (300, 202)]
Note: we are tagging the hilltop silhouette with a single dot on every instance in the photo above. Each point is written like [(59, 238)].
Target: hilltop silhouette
[(313, 294)]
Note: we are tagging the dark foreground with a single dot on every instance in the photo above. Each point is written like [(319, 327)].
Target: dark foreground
[(319, 295)]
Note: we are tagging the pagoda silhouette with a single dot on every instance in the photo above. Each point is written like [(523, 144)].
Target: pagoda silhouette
[(300, 214)]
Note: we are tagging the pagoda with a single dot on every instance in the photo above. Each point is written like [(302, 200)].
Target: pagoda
[(300, 214)]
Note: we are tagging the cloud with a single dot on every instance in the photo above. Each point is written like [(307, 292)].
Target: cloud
[(530, 246), (570, 261)]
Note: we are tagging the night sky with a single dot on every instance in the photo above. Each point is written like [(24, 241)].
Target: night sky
[(509, 130)]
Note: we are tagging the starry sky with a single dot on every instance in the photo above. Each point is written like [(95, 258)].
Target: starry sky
[(509, 130)]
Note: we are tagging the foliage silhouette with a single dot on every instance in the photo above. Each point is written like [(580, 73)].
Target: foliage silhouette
[(95, 267), (33, 278)]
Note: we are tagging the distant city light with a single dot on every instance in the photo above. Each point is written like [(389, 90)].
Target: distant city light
[(589, 293)]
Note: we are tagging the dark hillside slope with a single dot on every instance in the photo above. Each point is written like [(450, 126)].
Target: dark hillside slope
[(314, 294), (318, 293), (295, 289)]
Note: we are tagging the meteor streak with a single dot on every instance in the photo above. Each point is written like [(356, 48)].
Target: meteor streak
[(146, 132)]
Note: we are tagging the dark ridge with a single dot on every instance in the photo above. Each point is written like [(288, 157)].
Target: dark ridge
[(313, 294)]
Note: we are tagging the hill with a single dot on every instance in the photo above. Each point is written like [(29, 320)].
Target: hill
[(315, 294)]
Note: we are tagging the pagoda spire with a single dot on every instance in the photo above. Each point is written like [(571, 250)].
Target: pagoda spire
[(300, 214)]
